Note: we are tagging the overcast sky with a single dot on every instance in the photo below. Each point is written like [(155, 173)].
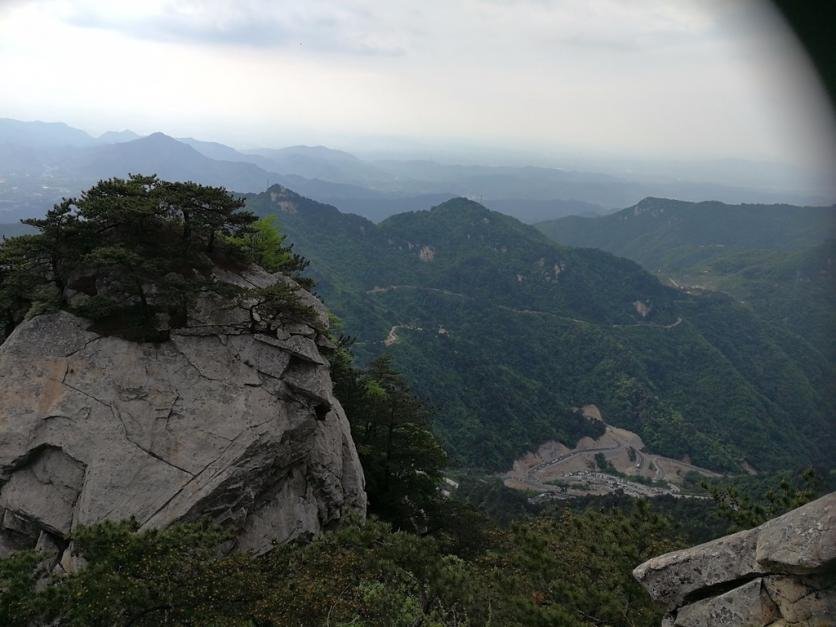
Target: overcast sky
[(684, 79)]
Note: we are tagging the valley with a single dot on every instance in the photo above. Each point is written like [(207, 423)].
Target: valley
[(614, 462)]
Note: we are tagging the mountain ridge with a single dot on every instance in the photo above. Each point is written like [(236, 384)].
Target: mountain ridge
[(377, 188), (474, 295), (776, 258)]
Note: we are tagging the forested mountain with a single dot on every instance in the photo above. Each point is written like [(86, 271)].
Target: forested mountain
[(669, 235), (505, 332), (793, 288), (777, 258)]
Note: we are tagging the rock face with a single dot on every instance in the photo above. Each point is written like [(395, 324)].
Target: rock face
[(781, 573), (222, 421)]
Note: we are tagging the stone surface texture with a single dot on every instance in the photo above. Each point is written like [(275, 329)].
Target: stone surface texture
[(745, 605), (225, 421), (781, 573)]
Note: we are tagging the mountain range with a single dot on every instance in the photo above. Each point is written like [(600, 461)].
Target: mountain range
[(507, 333), (776, 258), (508, 329), (41, 162)]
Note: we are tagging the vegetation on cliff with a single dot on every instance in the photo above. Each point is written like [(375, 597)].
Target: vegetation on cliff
[(132, 254)]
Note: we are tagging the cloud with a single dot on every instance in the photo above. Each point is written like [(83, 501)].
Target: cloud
[(367, 27), (657, 77), (317, 25)]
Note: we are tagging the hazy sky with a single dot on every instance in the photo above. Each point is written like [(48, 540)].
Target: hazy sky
[(684, 78)]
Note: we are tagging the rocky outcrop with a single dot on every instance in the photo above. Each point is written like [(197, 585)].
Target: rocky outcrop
[(223, 421), (781, 573)]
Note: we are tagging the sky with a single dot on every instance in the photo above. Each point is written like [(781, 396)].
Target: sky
[(691, 79)]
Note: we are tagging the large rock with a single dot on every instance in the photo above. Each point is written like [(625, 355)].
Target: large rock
[(800, 541), (218, 422), (672, 578), (780, 573)]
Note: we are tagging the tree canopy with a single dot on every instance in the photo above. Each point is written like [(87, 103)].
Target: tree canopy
[(131, 250), (571, 569), (401, 457)]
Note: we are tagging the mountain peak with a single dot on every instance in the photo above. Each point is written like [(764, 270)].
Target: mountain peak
[(160, 136), (117, 137), (154, 147), (281, 190), (652, 202), (460, 203)]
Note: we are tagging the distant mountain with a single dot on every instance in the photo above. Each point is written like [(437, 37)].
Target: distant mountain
[(32, 179), (117, 137), (306, 162), (319, 162), (380, 189), (536, 210), (216, 164), (504, 332), (222, 152), (165, 156), (663, 234), (553, 185), (793, 288), (42, 134), (53, 156), (51, 169), (777, 258), (505, 182)]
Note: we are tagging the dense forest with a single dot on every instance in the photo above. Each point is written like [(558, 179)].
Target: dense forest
[(666, 234), (777, 259), (461, 296)]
